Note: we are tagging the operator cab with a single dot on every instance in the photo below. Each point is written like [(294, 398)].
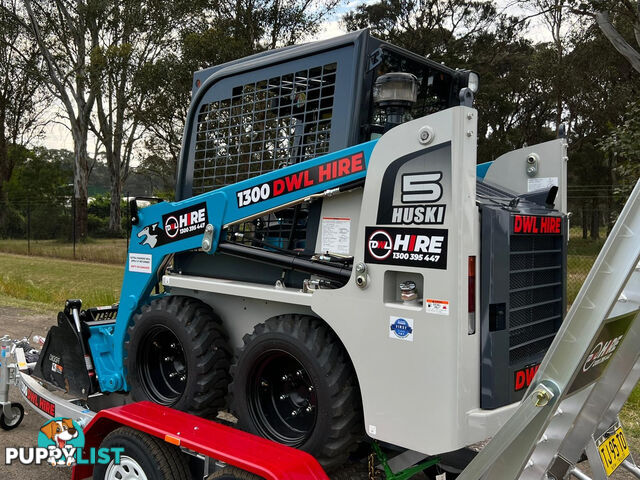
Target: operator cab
[(286, 106)]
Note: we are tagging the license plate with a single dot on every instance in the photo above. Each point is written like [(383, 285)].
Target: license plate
[(613, 449)]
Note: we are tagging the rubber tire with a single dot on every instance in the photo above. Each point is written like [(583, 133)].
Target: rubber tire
[(233, 473), (159, 460), (3, 421), (207, 354), (339, 424)]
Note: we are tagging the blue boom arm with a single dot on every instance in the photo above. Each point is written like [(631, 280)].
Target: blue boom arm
[(171, 227)]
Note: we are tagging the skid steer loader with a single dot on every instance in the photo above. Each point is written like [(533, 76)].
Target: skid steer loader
[(336, 266)]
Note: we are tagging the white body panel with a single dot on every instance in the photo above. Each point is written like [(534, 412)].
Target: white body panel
[(510, 170)]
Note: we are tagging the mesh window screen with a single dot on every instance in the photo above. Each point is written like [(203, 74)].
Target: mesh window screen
[(263, 126)]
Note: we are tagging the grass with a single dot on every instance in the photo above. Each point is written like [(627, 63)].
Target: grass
[(49, 282), (630, 417), (578, 267), (584, 246), (111, 250), (581, 254)]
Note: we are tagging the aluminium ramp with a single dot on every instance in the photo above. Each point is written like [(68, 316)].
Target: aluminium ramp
[(586, 376), (589, 413)]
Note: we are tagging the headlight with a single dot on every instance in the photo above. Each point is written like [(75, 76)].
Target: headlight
[(395, 89), (473, 82)]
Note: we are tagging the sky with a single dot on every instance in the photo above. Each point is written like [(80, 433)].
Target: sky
[(57, 136)]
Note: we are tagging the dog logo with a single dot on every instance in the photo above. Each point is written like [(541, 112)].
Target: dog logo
[(61, 442), (150, 239), (62, 437)]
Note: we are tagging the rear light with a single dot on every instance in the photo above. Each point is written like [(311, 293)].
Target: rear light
[(472, 295)]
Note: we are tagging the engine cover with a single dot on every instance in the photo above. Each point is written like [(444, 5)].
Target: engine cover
[(523, 292)]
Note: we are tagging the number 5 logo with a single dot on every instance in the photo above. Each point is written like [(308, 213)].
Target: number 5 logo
[(421, 187)]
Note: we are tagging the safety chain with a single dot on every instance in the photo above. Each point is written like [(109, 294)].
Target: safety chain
[(373, 474)]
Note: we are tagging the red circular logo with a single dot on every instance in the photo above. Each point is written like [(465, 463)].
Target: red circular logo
[(171, 227), (380, 245)]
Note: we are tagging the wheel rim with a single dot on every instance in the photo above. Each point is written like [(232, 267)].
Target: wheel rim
[(17, 417), (162, 366), (282, 398), (127, 469)]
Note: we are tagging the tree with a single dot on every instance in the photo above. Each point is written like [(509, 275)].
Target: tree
[(559, 22), (622, 145), (165, 109), (513, 100), (271, 23), (160, 173), (134, 36), (439, 29), (22, 94), (601, 86), (37, 193), (619, 21), (61, 30), (230, 30)]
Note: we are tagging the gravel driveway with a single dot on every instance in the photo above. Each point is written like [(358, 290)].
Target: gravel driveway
[(19, 323)]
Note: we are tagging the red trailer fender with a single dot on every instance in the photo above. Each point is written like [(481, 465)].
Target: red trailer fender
[(243, 450)]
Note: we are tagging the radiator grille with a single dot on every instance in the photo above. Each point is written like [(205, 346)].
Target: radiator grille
[(263, 126), (535, 295)]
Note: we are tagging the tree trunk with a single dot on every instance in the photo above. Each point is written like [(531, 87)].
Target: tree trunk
[(80, 182), (610, 206), (5, 176), (617, 40), (115, 213), (6, 169), (585, 222), (595, 220)]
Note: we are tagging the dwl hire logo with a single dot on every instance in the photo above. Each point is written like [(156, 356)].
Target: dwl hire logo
[(61, 443)]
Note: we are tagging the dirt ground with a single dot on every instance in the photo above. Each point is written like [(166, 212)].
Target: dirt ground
[(18, 323)]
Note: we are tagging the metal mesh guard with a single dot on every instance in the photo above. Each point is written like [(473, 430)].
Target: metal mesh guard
[(264, 125), (535, 298)]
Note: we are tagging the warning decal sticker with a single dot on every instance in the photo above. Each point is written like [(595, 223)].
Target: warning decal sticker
[(439, 307), (140, 262), (336, 233)]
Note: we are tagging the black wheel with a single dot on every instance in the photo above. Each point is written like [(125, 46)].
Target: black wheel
[(233, 473), (177, 356), (292, 382), (144, 458), (18, 414)]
